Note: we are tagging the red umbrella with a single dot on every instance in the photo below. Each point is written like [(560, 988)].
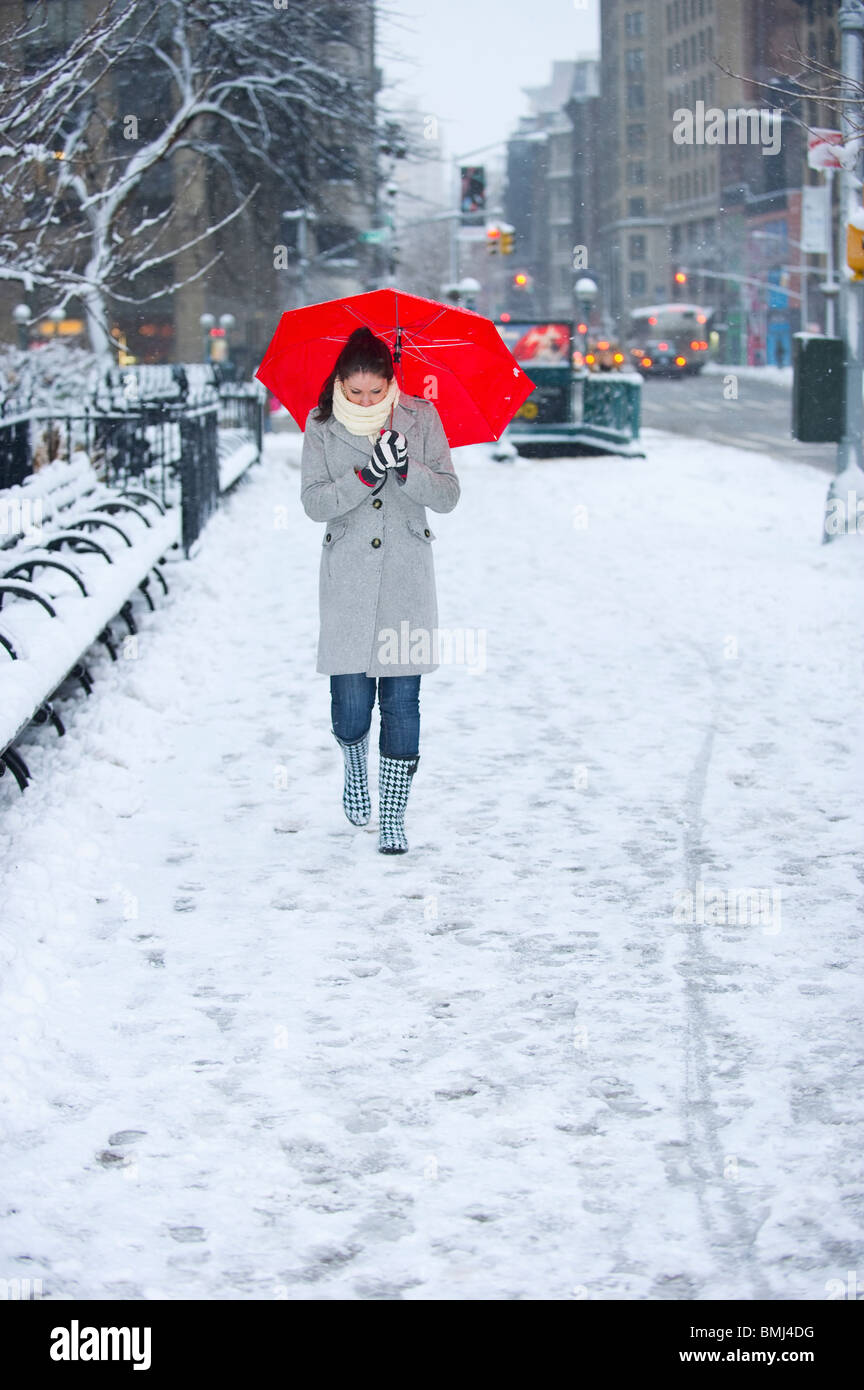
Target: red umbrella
[(453, 357)]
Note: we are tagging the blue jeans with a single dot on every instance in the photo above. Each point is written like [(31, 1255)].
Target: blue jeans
[(351, 701)]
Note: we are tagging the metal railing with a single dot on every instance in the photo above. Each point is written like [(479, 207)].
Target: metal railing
[(167, 441), (612, 403)]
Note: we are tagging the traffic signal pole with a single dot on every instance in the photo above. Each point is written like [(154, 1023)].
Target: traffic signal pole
[(848, 485)]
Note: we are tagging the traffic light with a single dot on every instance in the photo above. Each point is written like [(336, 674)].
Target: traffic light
[(493, 238), (679, 280), (521, 280), (473, 195), (507, 242)]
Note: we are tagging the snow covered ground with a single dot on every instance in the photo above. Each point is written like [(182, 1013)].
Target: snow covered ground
[(777, 376), (246, 1056)]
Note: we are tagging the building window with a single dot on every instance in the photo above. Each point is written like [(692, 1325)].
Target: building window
[(635, 60), (637, 282), (637, 248), (636, 173), (636, 207), (636, 96), (633, 26), (636, 137)]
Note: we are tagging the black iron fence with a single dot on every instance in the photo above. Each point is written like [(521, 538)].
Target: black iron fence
[(162, 431)]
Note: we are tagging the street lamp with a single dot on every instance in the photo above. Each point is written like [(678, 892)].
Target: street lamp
[(468, 289), (585, 291), (226, 323), (22, 315)]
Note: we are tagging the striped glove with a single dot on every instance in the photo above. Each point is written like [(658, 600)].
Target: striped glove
[(372, 472), (391, 450)]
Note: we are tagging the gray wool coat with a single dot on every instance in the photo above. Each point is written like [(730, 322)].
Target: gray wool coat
[(376, 586)]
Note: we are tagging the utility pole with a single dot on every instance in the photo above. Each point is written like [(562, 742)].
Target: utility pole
[(850, 477)]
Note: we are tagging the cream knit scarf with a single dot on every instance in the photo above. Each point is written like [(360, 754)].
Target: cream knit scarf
[(364, 419)]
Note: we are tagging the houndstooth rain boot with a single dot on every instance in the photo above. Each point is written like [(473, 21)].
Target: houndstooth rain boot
[(394, 784), (355, 797)]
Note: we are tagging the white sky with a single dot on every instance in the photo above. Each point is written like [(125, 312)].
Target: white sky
[(468, 60)]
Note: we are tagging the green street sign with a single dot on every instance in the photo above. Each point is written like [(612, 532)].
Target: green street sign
[(375, 235)]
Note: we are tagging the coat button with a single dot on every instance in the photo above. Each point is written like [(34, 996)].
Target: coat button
[(377, 503), (426, 531), (376, 543), (327, 537)]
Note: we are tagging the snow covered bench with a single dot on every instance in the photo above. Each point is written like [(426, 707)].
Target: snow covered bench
[(73, 553)]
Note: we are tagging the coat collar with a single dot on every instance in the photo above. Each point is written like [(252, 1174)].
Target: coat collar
[(403, 418)]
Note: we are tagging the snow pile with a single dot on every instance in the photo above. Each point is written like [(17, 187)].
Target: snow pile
[(595, 1037), (776, 376)]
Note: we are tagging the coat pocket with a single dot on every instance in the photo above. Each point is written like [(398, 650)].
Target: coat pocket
[(419, 530), (335, 530)]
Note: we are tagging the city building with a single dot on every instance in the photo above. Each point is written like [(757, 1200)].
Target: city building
[(550, 197), (685, 193)]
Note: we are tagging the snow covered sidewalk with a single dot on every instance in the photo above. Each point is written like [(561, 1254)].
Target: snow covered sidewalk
[(597, 1036)]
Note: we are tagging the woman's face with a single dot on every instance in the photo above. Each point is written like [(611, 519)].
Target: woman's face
[(365, 388)]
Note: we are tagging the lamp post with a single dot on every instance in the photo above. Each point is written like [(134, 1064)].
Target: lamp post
[(22, 315), (468, 289), (226, 323), (207, 321), (585, 291)]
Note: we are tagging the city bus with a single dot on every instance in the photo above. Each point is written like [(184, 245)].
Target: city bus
[(669, 339)]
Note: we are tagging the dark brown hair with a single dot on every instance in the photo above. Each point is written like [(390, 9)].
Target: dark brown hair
[(363, 352)]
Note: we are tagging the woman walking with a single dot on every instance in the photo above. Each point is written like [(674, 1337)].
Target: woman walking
[(373, 460)]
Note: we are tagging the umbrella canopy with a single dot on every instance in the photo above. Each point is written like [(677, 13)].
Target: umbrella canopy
[(453, 357)]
